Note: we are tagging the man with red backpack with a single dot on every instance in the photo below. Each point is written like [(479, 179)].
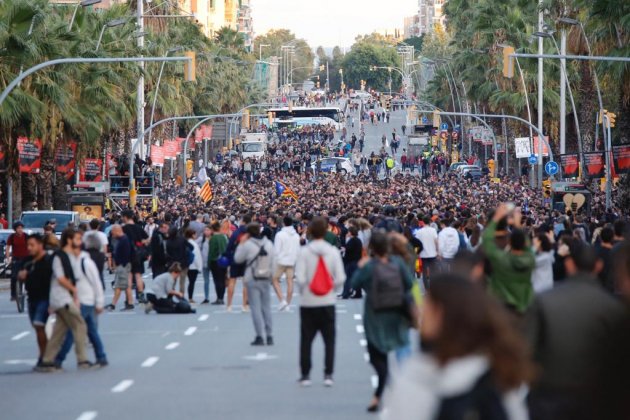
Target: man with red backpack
[(318, 272)]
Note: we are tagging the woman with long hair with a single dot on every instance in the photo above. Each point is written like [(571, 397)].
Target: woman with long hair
[(473, 361)]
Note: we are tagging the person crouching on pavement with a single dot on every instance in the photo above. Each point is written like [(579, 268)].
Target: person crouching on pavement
[(163, 292)]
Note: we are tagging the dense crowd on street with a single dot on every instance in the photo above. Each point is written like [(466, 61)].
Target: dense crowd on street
[(518, 311)]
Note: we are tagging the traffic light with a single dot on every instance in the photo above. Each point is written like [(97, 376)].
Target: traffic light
[(611, 119), (508, 62), (245, 119), (491, 167), (189, 168), (322, 67), (290, 106), (546, 188), (270, 118), (190, 67), (388, 104), (318, 84)]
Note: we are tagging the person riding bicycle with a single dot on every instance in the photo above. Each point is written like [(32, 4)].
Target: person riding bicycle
[(16, 252)]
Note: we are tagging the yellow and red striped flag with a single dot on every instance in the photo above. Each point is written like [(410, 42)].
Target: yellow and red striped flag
[(206, 192)]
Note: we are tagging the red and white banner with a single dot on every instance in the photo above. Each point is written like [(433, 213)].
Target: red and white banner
[(544, 146), (65, 157), (157, 156), (29, 155), (171, 148), (198, 135), (207, 131), (621, 158), (91, 170)]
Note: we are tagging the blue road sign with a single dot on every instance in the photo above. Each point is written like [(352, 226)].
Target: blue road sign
[(551, 167), (425, 120), (532, 160), (444, 126)]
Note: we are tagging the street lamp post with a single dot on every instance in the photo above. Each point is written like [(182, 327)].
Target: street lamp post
[(111, 24), (82, 3)]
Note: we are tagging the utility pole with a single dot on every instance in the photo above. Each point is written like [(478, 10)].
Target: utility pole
[(140, 94), (541, 21), (563, 93), (327, 77)]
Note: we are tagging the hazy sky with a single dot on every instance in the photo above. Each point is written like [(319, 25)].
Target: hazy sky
[(330, 22)]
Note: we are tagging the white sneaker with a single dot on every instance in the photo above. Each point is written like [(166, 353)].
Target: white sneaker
[(283, 306), (328, 381), (246, 309), (228, 309), (305, 382)]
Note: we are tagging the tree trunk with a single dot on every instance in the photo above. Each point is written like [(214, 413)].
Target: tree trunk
[(60, 201), (17, 195), (45, 180), (29, 188), (588, 106)]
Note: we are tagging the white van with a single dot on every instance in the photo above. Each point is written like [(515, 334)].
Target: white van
[(253, 145)]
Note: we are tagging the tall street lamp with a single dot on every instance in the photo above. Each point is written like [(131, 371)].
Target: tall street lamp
[(110, 24), (82, 3)]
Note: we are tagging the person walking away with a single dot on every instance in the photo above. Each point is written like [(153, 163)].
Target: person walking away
[(571, 330), (448, 244), (121, 257), (36, 273), (318, 272), (428, 236), (91, 300), (163, 291), (157, 247), (204, 247), (471, 349), (286, 248), (196, 265), (236, 270), (542, 276), (351, 257), (95, 243), (179, 250), (386, 280), (16, 252), (139, 240), (64, 302), (216, 248), (257, 253), (511, 278)]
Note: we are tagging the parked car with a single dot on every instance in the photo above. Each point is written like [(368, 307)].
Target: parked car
[(329, 164), (5, 269), (34, 221), (456, 165), (461, 168), (473, 174)]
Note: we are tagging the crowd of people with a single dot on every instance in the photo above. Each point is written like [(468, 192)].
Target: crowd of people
[(518, 310)]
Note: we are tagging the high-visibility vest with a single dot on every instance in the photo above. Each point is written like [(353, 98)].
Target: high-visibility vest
[(390, 163)]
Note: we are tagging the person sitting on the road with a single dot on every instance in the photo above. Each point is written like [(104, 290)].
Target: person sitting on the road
[(36, 273), (163, 292)]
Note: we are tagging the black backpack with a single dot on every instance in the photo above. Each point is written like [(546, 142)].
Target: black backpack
[(387, 291)]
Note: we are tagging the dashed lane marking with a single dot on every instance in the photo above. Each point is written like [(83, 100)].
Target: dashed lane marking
[(204, 317), (363, 342), (20, 336), (360, 329), (357, 317), (172, 346), (122, 386), (88, 415), (190, 331), (150, 361), (366, 357)]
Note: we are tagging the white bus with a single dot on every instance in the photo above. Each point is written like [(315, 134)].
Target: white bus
[(300, 116)]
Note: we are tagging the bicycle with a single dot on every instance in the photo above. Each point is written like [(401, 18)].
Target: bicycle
[(20, 296)]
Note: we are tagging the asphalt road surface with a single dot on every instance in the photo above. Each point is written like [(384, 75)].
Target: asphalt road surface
[(197, 366)]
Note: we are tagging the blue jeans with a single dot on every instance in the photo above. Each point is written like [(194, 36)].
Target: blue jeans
[(206, 282), (88, 313)]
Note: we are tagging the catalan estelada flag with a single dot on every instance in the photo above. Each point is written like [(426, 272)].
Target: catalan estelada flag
[(284, 191), (206, 192)]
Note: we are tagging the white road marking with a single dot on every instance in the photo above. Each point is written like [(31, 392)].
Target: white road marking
[(190, 331), (166, 334), (366, 357), (358, 317), (20, 335), (13, 316), (341, 311), (150, 361), (360, 329), (122, 386), (260, 357), (88, 415), (204, 317), (172, 346), (20, 362), (374, 380), (363, 342)]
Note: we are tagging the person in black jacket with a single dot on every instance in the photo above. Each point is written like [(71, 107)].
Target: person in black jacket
[(177, 249), (354, 252), (159, 258)]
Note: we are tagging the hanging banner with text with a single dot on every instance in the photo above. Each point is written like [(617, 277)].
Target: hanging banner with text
[(475, 132), (198, 135), (157, 155), (29, 155), (595, 164), (570, 165), (522, 147), (544, 146), (65, 157), (486, 137), (621, 158), (170, 149), (91, 170), (207, 131)]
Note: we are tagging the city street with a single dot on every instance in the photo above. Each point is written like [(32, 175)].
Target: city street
[(186, 366)]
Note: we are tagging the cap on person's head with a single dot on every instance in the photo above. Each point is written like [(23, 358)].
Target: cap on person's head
[(18, 224), (52, 221)]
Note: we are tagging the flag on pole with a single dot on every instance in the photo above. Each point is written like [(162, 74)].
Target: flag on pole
[(206, 192), (284, 191)]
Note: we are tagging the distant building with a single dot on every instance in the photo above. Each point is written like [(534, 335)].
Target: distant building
[(430, 13), (245, 24), (411, 27)]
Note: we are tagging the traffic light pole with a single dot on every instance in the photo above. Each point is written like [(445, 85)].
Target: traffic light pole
[(608, 150)]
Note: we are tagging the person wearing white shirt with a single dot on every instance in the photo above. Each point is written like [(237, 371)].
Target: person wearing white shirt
[(196, 266), (204, 246), (150, 227), (448, 243), (287, 248), (428, 236)]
